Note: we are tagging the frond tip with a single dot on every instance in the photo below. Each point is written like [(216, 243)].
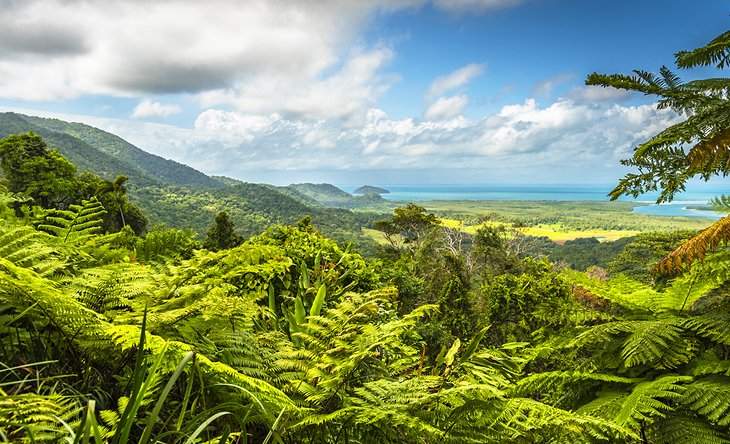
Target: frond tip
[(696, 248)]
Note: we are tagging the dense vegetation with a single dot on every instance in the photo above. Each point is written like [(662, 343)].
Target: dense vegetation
[(108, 335)]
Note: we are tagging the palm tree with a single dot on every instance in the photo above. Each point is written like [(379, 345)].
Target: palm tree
[(118, 189), (663, 162)]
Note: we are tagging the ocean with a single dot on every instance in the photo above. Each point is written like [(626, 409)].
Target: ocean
[(696, 194)]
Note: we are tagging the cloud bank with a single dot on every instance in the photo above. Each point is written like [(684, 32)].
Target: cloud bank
[(516, 141)]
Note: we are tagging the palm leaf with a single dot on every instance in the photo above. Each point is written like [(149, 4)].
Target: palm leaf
[(717, 53)]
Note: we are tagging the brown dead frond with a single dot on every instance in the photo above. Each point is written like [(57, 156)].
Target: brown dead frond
[(695, 248), (712, 154)]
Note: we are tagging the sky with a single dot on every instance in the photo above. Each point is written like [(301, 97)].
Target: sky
[(351, 92)]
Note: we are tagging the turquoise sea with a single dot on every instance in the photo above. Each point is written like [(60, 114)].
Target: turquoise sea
[(696, 194)]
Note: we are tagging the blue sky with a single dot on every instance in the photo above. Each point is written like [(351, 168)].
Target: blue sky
[(343, 91)]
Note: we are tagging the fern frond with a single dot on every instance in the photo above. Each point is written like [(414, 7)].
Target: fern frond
[(710, 397), (607, 404), (658, 343), (78, 223), (642, 299), (552, 381), (35, 418), (686, 429), (26, 247), (648, 400), (696, 248), (715, 328), (21, 289), (111, 287)]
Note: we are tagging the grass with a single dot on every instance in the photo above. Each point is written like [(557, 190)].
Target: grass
[(560, 221)]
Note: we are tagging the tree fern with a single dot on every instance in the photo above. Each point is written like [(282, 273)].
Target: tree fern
[(26, 247), (696, 248), (650, 399), (660, 344), (78, 223), (112, 287), (687, 429), (710, 398)]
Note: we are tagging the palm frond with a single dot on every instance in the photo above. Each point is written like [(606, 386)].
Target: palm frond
[(717, 53)]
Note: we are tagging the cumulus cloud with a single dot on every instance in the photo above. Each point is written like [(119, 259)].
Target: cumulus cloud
[(147, 108), (514, 143), (446, 107), (133, 48), (258, 56), (455, 79), (348, 91), (561, 135), (290, 85)]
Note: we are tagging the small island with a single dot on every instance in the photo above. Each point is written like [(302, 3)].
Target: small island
[(367, 189)]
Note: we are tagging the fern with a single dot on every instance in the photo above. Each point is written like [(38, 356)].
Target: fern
[(552, 381), (30, 408), (649, 399), (111, 287), (26, 247), (710, 397), (79, 223), (657, 343), (686, 429), (34, 418), (696, 248)]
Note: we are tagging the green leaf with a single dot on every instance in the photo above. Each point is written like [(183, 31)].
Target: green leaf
[(472, 347), (449, 358), (299, 312), (318, 301)]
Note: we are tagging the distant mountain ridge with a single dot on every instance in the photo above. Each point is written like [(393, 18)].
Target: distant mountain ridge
[(180, 196)]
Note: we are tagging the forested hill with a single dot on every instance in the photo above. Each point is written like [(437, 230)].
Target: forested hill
[(104, 153), (179, 196)]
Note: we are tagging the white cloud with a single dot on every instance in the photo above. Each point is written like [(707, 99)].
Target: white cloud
[(446, 107), (548, 85), (455, 79), (349, 91), (147, 108), (61, 49), (517, 142)]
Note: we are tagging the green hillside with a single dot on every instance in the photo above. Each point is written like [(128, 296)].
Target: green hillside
[(324, 193), (165, 170), (179, 196), (82, 154)]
